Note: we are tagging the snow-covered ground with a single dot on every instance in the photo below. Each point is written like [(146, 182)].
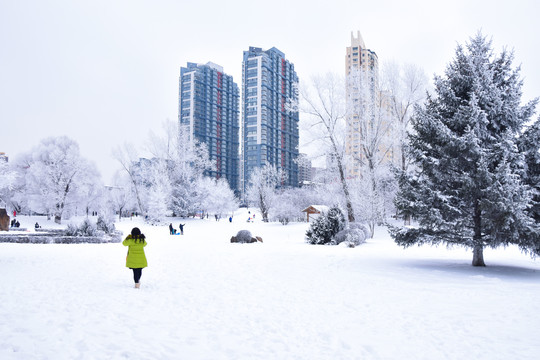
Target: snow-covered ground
[(204, 298)]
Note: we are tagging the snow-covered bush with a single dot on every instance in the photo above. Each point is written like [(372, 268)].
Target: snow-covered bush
[(283, 219), (85, 229), (352, 237), (325, 227), (105, 224), (362, 227), (243, 236)]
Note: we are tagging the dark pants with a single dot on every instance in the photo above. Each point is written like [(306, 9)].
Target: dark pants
[(137, 275)]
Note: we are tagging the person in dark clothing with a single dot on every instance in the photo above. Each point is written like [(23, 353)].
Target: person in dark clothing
[(182, 229), (171, 229)]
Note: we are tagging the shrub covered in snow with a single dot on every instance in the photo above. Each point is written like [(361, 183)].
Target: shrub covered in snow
[(105, 225), (362, 227), (85, 229), (352, 237), (325, 227)]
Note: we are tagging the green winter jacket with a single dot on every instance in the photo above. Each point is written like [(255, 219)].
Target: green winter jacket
[(135, 258)]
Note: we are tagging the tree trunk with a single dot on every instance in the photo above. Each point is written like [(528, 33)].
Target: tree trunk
[(350, 211), (263, 207), (478, 256), (478, 250), (372, 229), (407, 219)]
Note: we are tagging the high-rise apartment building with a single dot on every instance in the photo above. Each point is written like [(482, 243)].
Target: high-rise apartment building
[(304, 169), (358, 57), (209, 105), (269, 125), (370, 113)]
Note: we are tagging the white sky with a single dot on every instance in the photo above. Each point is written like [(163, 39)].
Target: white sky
[(105, 72)]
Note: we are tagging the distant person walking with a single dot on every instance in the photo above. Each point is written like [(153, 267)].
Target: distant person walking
[(182, 229), (136, 259), (171, 229)]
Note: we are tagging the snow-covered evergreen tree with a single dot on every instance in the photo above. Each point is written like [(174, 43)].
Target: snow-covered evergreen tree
[(325, 227), (468, 189), (529, 144)]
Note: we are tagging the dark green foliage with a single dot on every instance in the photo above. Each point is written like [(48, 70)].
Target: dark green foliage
[(529, 144), (325, 227)]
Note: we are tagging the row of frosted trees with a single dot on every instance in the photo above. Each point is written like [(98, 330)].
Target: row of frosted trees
[(53, 179)]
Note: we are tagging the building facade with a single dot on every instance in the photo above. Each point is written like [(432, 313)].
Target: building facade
[(369, 118), (209, 105), (304, 170), (269, 124)]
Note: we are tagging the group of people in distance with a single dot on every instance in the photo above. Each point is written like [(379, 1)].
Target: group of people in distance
[(172, 230)]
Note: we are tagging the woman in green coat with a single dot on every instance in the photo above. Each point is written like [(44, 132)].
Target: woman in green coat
[(136, 260)]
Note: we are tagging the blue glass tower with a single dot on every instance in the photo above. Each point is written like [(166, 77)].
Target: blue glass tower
[(269, 127), (209, 105)]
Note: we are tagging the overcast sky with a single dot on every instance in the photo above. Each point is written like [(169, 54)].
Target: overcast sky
[(105, 72)]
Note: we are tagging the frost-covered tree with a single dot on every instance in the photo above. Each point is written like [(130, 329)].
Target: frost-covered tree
[(119, 195), (324, 104), (189, 162), (262, 187), (220, 198), (158, 191), (54, 172), (289, 206), (373, 129), (8, 181), (90, 190), (373, 197), (467, 189), (406, 87), (170, 180), (127, 156)]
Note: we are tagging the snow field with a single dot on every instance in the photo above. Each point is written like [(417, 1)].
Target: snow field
[(204, 298)]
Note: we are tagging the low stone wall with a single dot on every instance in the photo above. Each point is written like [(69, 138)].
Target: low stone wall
[(57, 237)]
